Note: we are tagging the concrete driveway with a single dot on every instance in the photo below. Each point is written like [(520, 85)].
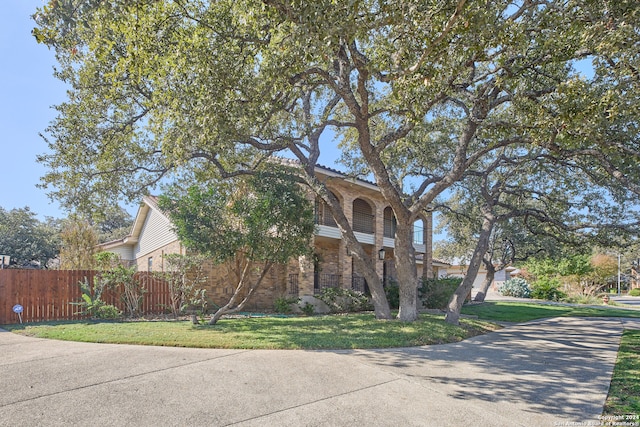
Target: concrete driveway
[(541, 373)]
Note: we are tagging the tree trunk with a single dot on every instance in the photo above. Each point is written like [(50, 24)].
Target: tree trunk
[(362, 260), (491, 273), (457, 299), (378, 296), (407, 273), (229, 307)]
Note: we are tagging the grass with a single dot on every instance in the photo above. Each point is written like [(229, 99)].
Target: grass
[(317, 332), (524, 312), (624, 392), (355, 331)]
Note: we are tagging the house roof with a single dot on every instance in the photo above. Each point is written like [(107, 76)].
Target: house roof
[(342, 174), (148, 203), (329, 171)]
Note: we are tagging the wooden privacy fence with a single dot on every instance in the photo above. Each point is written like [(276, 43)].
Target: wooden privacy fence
[(46, 294)]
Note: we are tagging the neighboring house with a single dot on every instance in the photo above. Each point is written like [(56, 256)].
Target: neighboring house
[(440, 268), (373, 222), (459, 270)]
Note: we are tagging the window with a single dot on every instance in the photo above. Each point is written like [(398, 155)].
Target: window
[(150, 264)]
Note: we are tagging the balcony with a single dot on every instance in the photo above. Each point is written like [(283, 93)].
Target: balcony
[(390, 227), (323, 215), (363, 218), (363, 222), (418, 235)]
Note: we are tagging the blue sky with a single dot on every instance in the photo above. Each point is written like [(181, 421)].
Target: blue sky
[(27, 93)]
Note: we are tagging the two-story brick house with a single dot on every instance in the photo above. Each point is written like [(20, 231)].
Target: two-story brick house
[(373, 223)]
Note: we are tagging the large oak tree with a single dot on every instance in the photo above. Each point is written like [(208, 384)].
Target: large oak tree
[(415, 93)]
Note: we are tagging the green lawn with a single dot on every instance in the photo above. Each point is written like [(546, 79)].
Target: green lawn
[(624, 392), (354, 331), (523, 312), (317, 332)]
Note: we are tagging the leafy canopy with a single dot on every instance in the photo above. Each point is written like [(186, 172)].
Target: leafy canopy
[(264, 217), (25, 238)]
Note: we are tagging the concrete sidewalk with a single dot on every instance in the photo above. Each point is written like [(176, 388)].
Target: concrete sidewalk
[(541, 373)]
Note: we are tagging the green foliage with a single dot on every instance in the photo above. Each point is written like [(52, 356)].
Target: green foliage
[(250, 223), (308, 309), (25, 239), (583, 299), (79, 240), (547, 289), (342, 300), (634, 292), (199, 302), (106, 260), (516, 287), (112, 224), (392, 291), (284, 305), (113, 274), (459, 91), (580, 274), (567, 265), (91, 303), (265, 217), (132, 289), (107, 311), (184, 274), (436, 293)]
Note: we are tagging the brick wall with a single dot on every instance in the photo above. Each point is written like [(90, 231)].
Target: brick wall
[(222, 281), (333, 255), (157, 257)]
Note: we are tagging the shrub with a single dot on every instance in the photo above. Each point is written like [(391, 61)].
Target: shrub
[(583, 299), (107, 311), (283, 304), (308, 309), (634, 292), (547, 289), (392, 290), (91, 299), (518, 288), (344, 300), (183, 276), (132, 289), (436, 293)]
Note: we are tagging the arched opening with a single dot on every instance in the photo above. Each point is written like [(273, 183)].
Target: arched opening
[(389, 223), (323, 215), (362, 217), (418, 232)]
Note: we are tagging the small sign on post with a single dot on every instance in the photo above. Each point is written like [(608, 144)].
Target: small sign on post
[(18, 310)]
